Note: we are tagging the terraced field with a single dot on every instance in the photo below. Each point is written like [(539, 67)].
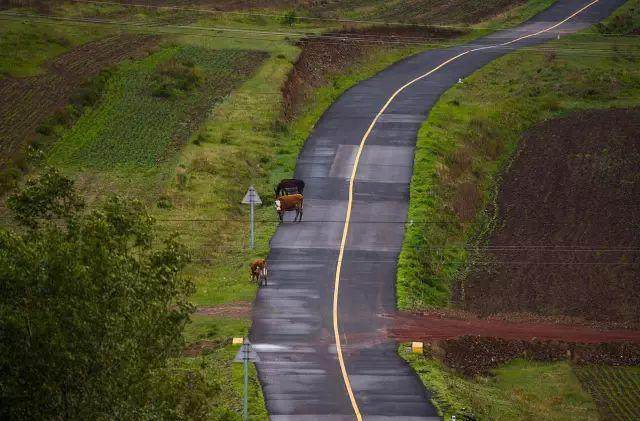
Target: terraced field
[(616, 390), (26, 102), (135, 125)]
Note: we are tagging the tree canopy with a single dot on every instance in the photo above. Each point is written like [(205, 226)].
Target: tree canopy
[(92, 305)]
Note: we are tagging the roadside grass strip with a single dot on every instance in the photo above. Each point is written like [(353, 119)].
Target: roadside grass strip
[(521, 389)]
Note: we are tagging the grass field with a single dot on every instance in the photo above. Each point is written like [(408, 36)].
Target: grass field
[(471, 133), (25, 46), (135, 126), (521, 390)]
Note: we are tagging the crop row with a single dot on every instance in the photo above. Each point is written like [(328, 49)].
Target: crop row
[(616, 390)]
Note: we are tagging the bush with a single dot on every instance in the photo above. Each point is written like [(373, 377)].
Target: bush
[(175, 78), (91, 92), (289, 18)]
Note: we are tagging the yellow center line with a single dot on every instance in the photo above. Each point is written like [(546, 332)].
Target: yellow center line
[(343, 242)]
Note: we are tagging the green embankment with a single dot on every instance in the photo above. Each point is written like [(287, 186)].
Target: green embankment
[(469, 137), (519, 390)]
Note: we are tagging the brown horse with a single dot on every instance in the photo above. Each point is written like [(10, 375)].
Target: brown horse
[(291, 202)]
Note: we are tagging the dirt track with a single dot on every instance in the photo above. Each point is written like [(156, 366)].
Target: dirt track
[(437, 326), (26, 102), (567, 240)]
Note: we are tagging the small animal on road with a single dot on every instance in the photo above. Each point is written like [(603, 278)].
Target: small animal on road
[(259, 271), (291, 202), (289, 186)]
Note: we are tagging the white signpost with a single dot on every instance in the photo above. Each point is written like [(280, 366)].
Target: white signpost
[(251, 198)]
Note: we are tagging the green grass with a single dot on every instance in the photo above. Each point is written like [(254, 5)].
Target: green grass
[(616, 390), (134, 127), (26, 45), (222, 375), (516, 15), (519, 390), (470, 135)]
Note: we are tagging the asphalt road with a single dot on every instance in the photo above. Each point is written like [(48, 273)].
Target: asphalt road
[(293, 320)]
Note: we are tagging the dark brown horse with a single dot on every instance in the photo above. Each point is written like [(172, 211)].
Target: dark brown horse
[(289, 186)]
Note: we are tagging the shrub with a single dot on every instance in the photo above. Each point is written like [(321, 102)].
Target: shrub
[(289, 18), (174, 77)]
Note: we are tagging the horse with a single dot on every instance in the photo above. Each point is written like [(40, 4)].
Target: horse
[(289, 186), (291, 202)]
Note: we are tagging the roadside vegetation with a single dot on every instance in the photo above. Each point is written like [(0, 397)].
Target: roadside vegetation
[(520, 389), (463, 151)]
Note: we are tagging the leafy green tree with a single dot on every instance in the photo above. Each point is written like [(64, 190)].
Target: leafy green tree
[(92, 305)]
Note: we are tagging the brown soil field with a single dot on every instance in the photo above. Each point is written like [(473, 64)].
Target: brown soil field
[(322, 58), (473, 355), (567, 237), (26, 102)]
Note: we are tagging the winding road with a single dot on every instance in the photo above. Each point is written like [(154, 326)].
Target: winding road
[(318, 326)]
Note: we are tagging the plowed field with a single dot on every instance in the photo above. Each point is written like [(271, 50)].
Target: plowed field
[(567, 237), (26, 102)]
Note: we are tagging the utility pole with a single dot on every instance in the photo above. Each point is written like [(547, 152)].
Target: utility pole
[(251, 198)]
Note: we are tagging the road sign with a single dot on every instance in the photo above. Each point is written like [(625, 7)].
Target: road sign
[(244, 355), (246, 352), (252, 197)]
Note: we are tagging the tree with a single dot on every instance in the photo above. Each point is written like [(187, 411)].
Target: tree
[(92, 305)]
